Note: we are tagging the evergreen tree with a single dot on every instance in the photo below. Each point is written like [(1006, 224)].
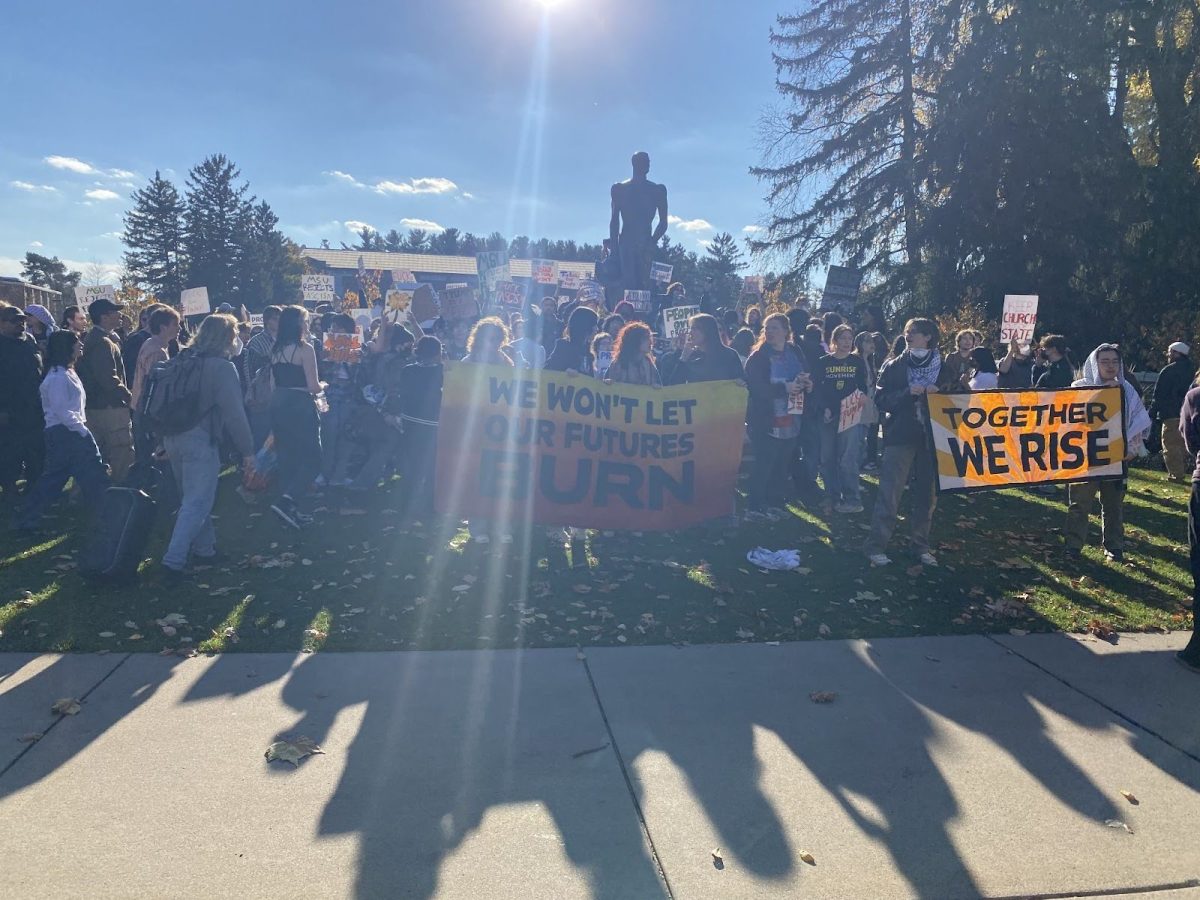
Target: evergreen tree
[(416, 241), (444, 243), (50, 272), (269, 269), (392, 241), (154, 240), (719, 268), (215, 217)]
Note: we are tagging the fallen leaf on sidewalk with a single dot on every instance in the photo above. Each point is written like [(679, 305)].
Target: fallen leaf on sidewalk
[(1132, 799), (808, 857), (1117, 823), (823, 696), (67, 706), (1103, 631), (292, 751), (718, 860)]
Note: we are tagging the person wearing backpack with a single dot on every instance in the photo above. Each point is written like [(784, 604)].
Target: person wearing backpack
[(206, 390)]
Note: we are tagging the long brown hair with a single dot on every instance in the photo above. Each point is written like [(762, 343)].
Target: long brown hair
[(782, 319), (625, 349)]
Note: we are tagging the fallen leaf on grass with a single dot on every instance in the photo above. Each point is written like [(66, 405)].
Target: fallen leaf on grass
[(582, 589), (292, 751), (824, 630), (108, 634), (31, 737), (823, 696), (808, 857), (1103, 631), (1132, 799), (1117, 823), (67, 706)]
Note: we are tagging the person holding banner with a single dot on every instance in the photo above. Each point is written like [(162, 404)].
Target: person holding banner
[(632, 360), (295, 421), (777, 378), (705, 357), (1189, 430), (904, 381), (841, 377), (572, 353), (1106, 368)]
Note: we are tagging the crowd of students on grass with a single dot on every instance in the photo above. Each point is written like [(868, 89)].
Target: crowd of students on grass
[(78, 404)]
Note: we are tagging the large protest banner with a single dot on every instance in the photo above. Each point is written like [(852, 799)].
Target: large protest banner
[(997, 439), (574, 451)]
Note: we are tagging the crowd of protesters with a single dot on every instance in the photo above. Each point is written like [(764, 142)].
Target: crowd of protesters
[(300, 413)]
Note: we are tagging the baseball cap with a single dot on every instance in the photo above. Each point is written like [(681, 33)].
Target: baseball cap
[(1180, 347), (98, 308), (10, 313), (225, 308)]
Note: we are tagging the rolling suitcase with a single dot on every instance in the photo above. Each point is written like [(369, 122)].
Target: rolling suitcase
[(119, 535)]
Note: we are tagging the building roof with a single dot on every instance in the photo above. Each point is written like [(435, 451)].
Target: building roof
[(12, 280), (425, 263)]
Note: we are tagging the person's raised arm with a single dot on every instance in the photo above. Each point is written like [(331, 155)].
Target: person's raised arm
[(662, 214)]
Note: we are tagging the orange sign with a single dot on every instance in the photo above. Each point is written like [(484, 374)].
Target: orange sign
[(565, 450)]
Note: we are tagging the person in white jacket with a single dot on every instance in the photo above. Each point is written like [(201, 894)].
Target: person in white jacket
[(1106, 368)]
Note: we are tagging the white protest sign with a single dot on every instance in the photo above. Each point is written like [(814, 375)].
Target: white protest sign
[(317, 288), (643, 301), (661, 272), (591, 294), (86, 295), (852, 411), (492, 267), (510, 295), (1019, 319), (570, 281), (403, 276), (796, 404), (195, 302), (397, 304), (752, 284), (544, 271), (675, 320), (256, 320), (604, 360)]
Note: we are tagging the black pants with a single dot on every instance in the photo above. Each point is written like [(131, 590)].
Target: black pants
[(297, 430), (22, 453), (1192, 651), (420, 466)]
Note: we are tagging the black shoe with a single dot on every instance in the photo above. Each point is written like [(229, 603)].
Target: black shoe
[(579, 558), (1115, 555), (1187, 662)]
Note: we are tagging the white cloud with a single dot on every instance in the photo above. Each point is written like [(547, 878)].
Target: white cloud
[(752, 229), (356, 226), (344, 177), (417, 186), (115, 235), (122, 174), (468, 196), (102, 194), (36, 245), (71, 164), (32, 188), (690, 224), (423, 224)]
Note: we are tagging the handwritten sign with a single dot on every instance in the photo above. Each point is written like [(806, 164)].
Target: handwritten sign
[(1019, 319), (403, 276), (256, 320), (544, 271), (661, 272), (591, 294), (852, 411), (343, 348), (86, 295), (570, 281), (675, 320), (643, 301), (604, 360), (317, 288), (458, 302), (195, 302), (492, 267), (510, 295), (752, 284)]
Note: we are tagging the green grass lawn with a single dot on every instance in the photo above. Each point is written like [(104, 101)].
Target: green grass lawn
[(361, 580)]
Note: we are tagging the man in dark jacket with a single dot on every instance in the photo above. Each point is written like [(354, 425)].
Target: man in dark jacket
[(1060, 373), (21, 422), (900, 395), (102, 371), (1172, 386)]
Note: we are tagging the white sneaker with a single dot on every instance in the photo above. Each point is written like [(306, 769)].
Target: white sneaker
[(879, 559), (928, 559)]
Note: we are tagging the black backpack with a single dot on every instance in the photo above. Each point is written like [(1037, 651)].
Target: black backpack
[(171, 400)]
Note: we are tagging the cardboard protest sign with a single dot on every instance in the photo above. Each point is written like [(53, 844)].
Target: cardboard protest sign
[(752, 284), (510, 295), (577, 451), (996, 439), (425, 303), (852, 411), (604, 359), (842, 285), (643, 301), (1019, 319), (570, 281), (458, 302), (795, 405), (403, 276), (661, 272), (317, 288), (675, 320), (86, 295), (343, 348), (492, 267), (543, 271), (195, 301), (591, 294), (256, 320), (398, 301)]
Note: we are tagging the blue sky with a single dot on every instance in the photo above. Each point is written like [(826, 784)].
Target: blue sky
[(500, 115)]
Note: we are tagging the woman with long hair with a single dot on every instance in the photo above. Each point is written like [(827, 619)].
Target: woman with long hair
[(705, 357), (776, 377), (486, 343), (572, 353), (71, 451), (295, 419), (632, 360), (195, 454)]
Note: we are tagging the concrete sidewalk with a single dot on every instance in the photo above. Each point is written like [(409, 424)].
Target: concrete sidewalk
[(945, 768)]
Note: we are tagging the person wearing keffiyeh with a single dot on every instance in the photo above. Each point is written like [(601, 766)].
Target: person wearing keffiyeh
[(900, 393), (1105, 368)]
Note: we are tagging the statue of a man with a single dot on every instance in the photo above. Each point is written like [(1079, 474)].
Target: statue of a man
[(634, 203)]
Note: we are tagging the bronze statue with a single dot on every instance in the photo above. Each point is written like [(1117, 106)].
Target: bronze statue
[(634, 203)]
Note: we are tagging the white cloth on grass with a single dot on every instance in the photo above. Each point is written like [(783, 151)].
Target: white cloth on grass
[(779, 560)]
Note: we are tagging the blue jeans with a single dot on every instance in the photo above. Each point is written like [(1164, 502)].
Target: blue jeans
[(196, 463), (68, 454), (840, 455)]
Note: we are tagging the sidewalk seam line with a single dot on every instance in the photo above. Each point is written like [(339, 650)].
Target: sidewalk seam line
[(1146, 890), (637, 806), (1116, 712), (28, 747)]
